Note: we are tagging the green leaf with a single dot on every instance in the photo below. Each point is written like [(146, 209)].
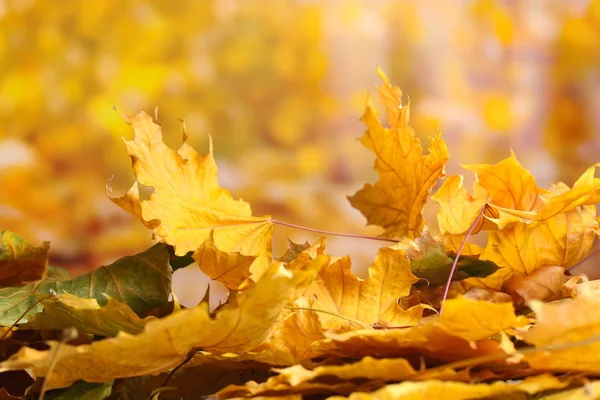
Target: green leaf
[(432, 263), (83, 391), (87, 316), (58, 274), (143, 282), (20, 261)]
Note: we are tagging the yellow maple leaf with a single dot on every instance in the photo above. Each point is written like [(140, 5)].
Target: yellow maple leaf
[(373, 300), (574, 325), (563, 240), (237, 327), (292, 337), (511, 195), (385, 369), (430, 339), (230, 268), (406, 176), (187, 202), (435, 389), (478, 319)]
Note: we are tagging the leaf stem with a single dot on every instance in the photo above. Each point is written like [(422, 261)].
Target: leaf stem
[(460, 249), (350, 235), (351, 320)]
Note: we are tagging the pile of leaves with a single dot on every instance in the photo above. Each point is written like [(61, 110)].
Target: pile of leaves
[(437, 317)]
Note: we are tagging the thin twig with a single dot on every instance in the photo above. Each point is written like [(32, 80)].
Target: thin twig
[(351, 320), (304, 228), (68, 335), (460, 249)]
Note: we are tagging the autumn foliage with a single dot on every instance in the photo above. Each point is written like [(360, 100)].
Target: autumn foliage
[(209, 310)]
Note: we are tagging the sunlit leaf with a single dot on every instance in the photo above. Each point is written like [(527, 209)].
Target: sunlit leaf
[(406, 176)]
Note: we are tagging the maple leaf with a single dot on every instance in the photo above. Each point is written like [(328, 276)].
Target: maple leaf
[(187, 202), (215, 271), (385, 369), (20, 261), (458, 390), (141, 281), (87, 316), (406, 177), (237, 327), (544, 284), (512, 196), (374, 300), (575, 322), (479, 319), (562, 240)]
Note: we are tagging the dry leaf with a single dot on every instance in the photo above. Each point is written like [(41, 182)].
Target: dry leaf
[(187, 199), (478, 319), (238, 327), (20, 261), (87, 316), (457, 390), (562, 240), (574, 324), (544, 284), (373, 300), (406, 177)]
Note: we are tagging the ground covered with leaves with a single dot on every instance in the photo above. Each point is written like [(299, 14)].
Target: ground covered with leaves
[(210, 311)]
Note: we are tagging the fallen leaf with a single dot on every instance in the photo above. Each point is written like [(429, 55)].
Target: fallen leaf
[(458, 208), (230, 268), (478, 319), (20, 261), (83, 391), (187, 199), (574, 324), (292, 337), (430, 262), (562, 240), (386, 370), (142, 282), (585, 191), (87, 316), (406, 177), (373, 300), (239, 326), (457, 390), (431, 340), (589, 390), (544, 284)]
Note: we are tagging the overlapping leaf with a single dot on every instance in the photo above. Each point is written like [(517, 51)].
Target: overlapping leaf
[(143, 282), (87, 316), (187, 202), (238, 327), (374, 300), (20, 261), (406, 176)]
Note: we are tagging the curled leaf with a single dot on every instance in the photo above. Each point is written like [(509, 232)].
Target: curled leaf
[(406, 176)]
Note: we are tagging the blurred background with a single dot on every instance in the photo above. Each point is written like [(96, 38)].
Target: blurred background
[(283, 82)]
